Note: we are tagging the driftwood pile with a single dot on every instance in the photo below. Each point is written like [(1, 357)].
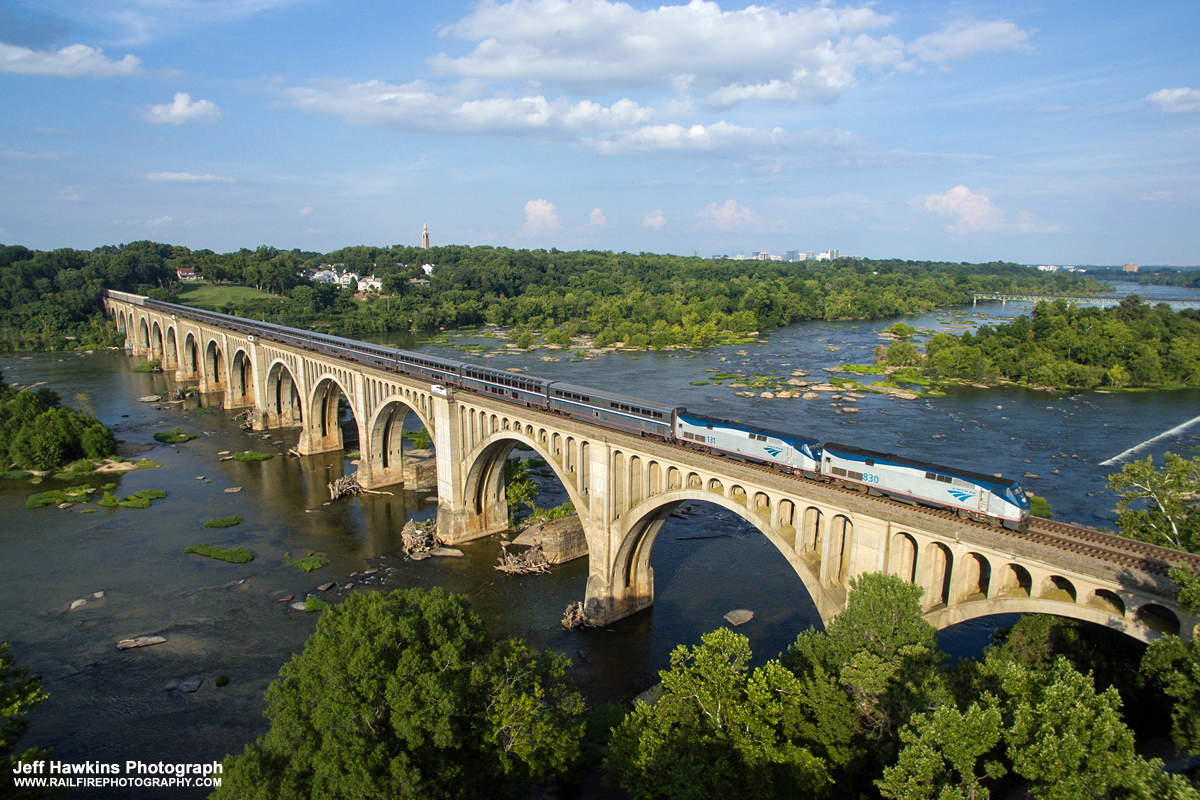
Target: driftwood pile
[(574, 617), (346, 486), (419, 537), (532, 561)]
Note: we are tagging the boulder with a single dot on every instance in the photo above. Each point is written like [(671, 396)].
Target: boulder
[(739, 617), (451, 552), (189, 685), (78, 604)]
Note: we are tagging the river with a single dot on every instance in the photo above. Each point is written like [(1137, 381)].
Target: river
[(224, 619)]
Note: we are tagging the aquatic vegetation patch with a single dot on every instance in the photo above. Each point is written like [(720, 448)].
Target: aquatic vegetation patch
[(223, 522), (108, 501), (251, 455), (239, 555), (726, 376), (206, 411), (698, 383), (76, 494), (175, 436), (15, 475), (146, 463), (308, 564), (142, 499), (149, 366), (863, 369)]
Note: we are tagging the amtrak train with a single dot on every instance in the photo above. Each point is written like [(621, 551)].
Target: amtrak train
[(972, 495)]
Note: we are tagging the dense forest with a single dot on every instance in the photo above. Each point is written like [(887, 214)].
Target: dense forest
[(1059, 345), (642, 300), (1163, 276)]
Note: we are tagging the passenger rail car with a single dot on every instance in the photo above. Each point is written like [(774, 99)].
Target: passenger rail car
[(788, 453), (971, 494)]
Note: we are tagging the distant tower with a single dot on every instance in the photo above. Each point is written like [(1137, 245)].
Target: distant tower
[(425, 236)]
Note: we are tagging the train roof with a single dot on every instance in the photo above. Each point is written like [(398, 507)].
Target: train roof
[(977, 477), (787, 437), (620, 398)]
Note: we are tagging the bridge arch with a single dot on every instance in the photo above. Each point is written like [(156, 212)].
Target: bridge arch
[(1140, 629), (121, 320), (323, 426), (284, 403), (241, 379), (156, 341), (143, 334), (213, 371), (483, 484), (191, 359), (171, 354), (385, 441), (631, 583)]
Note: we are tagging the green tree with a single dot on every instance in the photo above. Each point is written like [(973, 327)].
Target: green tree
[(405, 695), (941, 754), (1158, 506), (19, 695), (865, 676), (716, 730)]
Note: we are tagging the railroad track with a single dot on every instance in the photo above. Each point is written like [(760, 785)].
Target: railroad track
[(1070, 538)]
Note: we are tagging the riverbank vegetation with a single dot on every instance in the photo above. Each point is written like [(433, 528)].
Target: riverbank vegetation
[(1064, 346), (51, 299), (19, 695)]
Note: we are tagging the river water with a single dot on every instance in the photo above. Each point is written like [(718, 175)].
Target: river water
[(224, 619)]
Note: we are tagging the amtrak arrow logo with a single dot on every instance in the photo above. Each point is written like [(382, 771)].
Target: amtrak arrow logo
[(960, 495), (774, 451)]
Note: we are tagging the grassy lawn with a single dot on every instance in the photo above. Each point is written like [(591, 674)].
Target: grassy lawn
[(214, 295)]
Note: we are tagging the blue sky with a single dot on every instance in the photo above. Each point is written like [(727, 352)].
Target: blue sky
[(1055, 132)]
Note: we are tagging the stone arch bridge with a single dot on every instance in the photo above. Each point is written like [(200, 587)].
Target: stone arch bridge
[(625, 487)]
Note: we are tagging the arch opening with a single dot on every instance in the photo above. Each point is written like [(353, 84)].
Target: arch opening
[(156, 341), (242, 380), (172, 353), (284, 405), (1058, 588), (400, 443), (978, 578), (1015, 581), (332, 424), (1106, 600), (1158, 619), (214, 368), (902, 559), (941, 569)]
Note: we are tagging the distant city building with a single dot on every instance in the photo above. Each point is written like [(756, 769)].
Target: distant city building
[(1130, 268), (346, 278), (427, 269), (425, 236), (793, 255), (370, 284), (187, 274), (325, 276)]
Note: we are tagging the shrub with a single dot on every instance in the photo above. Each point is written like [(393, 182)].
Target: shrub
[(239, 555), (222, 681), (1038, 507), (223, 522), (15, 475), (313, 603), (149, 366)]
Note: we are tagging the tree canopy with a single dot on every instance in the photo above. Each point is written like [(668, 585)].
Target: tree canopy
[(406, 695)]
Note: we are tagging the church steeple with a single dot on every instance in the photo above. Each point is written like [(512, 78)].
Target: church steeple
[(425, 236)]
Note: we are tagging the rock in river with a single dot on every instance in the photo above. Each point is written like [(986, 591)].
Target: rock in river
[(140, 641), (739, 617), (446, 551)]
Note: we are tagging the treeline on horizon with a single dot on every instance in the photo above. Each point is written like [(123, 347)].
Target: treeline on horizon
[(642, 299), (1162, 276)]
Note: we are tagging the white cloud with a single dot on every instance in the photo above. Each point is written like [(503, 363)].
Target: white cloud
[(655, 220), (963, 40), (75, 61), (418, 106), (540, 219), (729, 216), (975, 212), (718, 136), (596, 218), (1180, 100), (187, 177), (601, 43), (773, 90), (183, 109), (304, 212)]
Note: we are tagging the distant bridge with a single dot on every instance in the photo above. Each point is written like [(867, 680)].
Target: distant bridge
[(625, 487), (1102, 300)]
